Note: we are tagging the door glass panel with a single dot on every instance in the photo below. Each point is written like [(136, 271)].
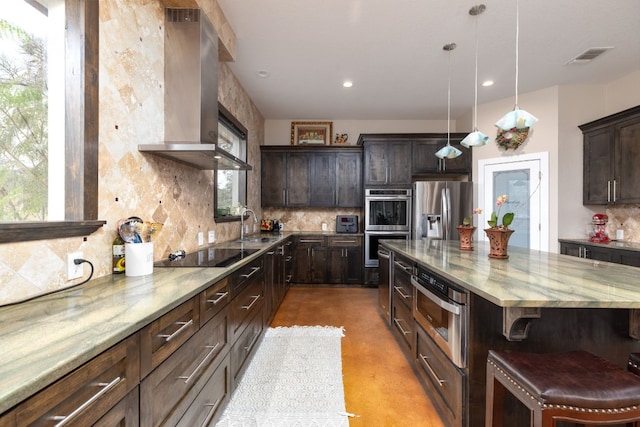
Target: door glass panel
[(515, 184)]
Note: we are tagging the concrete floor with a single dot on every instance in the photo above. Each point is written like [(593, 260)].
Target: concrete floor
[(380, 386)]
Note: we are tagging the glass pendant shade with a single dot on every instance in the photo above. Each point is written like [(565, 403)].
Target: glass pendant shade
[(448, 152), (518, 119), (475, 139)]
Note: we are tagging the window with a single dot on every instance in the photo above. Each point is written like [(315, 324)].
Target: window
[(55, 146), (231, 185)]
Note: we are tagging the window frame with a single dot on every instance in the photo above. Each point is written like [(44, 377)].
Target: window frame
[(81, 128), (231, 120)]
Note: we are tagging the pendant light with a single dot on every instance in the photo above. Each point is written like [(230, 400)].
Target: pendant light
[(448, 151), (517, 118), (476, 138)]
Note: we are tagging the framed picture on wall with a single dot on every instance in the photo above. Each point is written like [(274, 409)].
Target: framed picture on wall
[(311, 133)]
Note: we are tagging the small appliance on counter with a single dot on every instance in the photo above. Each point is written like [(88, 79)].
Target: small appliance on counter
[(346, 223), (599, 234)]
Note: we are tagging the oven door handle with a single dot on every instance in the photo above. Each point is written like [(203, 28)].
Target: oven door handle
[(451, 308)]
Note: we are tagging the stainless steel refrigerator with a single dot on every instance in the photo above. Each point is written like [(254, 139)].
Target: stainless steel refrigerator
[(439, 207)]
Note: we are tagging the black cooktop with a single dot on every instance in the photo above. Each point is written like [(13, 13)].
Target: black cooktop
[(210, 257)]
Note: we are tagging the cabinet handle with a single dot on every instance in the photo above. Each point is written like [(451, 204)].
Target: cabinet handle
[(397, 322), (202, 362), (404, 266), (433, 373), (383, 254), (212, 411), (284, 196), (585, 253), (609, 191), (287, 259), (221, 296), (253, 340), (105, 389), (184, 326), (271, 253), (310, 240), (344, 241), (255, 299), (400, 291), (254, 270), (289, 277), (614, 191)]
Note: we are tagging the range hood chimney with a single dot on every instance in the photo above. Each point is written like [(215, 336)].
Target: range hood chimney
[(191, 94)]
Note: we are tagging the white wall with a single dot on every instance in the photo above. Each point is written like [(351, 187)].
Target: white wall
[(622, 93)]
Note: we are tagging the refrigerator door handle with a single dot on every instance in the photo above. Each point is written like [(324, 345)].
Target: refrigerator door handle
[(446, 213)]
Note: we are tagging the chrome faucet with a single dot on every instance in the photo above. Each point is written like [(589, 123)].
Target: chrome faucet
[(244, 211)]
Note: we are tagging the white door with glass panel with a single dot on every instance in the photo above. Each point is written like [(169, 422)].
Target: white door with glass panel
[(517, 177)]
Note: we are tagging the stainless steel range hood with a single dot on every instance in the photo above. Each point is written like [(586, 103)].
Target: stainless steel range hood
[(191, 94)]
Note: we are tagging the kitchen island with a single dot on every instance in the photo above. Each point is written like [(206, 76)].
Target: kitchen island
[(534, 301)]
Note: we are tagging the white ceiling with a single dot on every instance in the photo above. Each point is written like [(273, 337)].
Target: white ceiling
[(392, 50)]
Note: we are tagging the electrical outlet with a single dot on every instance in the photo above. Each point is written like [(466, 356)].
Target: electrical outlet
[(200, 238), (324, 226), (212, 236), (73, 271)]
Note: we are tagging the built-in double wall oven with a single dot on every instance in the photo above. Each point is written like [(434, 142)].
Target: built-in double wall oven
[(387, 214)]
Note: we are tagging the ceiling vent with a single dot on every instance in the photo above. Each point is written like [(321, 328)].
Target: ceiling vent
[(589, 55)]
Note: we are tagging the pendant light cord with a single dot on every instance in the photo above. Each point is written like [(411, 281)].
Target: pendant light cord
[(449, 103), (517, 44), (475, 101)]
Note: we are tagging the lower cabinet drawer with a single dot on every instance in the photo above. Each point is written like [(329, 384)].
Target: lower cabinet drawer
[(167, 393), (403, 325), (444, 381), (166, 334), (243, 347), (126, 413), (209, 403), (243, 306), (85, 395)]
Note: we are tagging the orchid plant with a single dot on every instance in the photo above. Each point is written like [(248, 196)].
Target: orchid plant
[(507, 218), (467, 221)]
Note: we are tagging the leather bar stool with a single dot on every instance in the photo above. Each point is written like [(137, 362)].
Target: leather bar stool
[(634, 363), (576, 387)]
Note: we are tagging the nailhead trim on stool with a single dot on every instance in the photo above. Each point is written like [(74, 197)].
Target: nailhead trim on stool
[(534, 386), (634, 363)]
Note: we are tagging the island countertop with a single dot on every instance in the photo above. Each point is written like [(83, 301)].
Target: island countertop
[(528, 278)]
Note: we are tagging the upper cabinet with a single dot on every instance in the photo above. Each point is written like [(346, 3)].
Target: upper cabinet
[(301, 176), (392, 159), (611, 159)]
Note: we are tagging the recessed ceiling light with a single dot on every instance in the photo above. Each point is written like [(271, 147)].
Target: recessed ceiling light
[(487, 83), (263, 73), (347, 83)]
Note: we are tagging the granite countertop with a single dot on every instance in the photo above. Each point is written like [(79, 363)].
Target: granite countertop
[(528, 278), (613, 244), (45, 338)]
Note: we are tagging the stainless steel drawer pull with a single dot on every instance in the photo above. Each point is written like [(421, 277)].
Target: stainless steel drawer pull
[(211, 412), (220, 295), (433, 373), (105, 389), (255, 299), (400, 291), (271, 253), (185, 325), (254, 270), (310, 241), (253, 341), (404, 266), (344, 241), (397, 322), (287, 259), (202, 363)]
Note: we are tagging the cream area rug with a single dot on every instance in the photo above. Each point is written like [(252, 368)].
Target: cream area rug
[(294, 379)]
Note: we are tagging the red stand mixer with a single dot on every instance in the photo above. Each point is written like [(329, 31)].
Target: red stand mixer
[(599, 222)]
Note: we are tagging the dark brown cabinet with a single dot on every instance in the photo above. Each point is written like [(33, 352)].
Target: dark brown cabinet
[(311, 176), (402, 323), (345, 262), (424, 160), (387, 161), (600, 253), (275, 280), (611, 158), (309, 259)]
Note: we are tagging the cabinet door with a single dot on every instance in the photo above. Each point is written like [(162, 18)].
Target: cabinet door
[(375, 163), (298, 177), (598, 166), (399, 163), (627, 173), (274, 179), (309, 260), (349, 180), (323, 180), (425, 160), (570, 249), (318, 264)]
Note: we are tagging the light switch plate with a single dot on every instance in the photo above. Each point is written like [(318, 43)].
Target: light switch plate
[(200, 238)]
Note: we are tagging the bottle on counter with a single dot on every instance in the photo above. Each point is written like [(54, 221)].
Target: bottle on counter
[(118, 255)]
